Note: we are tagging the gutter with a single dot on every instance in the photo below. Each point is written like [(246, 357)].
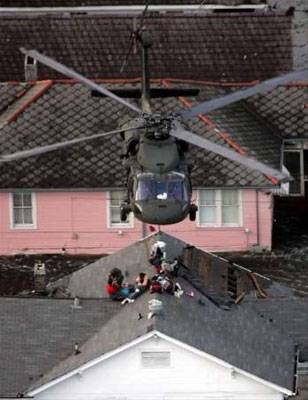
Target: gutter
[(257, 217), (132, 9)]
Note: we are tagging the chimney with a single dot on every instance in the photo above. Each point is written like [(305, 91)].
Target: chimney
[(30, 69), (39, 277)]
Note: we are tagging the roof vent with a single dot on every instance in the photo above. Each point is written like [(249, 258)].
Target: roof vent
[(30, 69), (155, 359), (76, 304)]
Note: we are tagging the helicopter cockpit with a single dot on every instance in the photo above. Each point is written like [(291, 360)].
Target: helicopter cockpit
[(170, 186), (162, 198)]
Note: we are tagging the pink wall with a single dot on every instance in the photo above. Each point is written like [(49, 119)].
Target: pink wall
[(78, 221), (232, 238)]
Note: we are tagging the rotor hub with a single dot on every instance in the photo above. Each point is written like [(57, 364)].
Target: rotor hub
[(157, 127)]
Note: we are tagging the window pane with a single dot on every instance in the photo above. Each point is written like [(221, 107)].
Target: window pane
[(230, 215), (27, 200), (207, 215), (229, 197), (306, 163), (17, 217), (28, 216), (230, 207), (207, 197), (292, 162), (117, 197), (17, 200), (115, 215)]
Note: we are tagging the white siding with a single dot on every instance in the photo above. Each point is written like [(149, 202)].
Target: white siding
[(189, 376)]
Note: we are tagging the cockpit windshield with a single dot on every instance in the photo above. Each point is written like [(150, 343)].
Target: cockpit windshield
[(173, 186)]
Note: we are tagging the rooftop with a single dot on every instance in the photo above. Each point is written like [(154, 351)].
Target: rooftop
[(220, 47), (59, 110), (278, 316)]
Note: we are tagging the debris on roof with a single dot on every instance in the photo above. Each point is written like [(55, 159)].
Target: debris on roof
[(211, 286)]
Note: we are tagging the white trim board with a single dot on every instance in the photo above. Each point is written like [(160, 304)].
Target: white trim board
[(147, 336)]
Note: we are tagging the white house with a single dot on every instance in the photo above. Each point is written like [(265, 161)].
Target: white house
[(207, 344)]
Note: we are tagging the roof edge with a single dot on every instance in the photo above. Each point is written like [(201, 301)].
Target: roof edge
[(91, 363), (157, 333), (226, 364), (131, 9)]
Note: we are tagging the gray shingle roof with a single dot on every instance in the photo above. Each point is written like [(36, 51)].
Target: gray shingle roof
[(37, 334), (236, 336), (285, 108), (220, 47), (290, 315), (66, 111)]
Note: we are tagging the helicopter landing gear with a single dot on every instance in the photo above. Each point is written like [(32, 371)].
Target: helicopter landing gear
[(125, 210), (192, 212)]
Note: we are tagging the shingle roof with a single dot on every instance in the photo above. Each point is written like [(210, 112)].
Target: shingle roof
[(242, 344), (290, 315), (220, 47), (66, 111), (285, 108), (37, 334), (212, 268)]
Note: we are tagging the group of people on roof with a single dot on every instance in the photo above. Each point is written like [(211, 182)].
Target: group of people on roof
[(161, 282)]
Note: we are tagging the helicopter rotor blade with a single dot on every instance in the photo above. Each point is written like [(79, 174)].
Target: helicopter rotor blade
[(75, 75), (56, 146), (181, 133), (242, 94)]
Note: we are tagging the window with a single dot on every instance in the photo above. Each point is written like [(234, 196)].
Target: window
[(295, 159), (150, 188), (219, 207), (23, 210), (116, 198), (155, 359), (292, 161)]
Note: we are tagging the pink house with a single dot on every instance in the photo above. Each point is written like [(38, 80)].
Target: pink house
[(87, 222), (68, 200)]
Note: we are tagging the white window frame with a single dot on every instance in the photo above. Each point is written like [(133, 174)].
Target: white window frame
[(130, 217), (34, 212), (218, 223)]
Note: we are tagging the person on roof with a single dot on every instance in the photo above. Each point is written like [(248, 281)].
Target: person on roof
[(158, 255), (114, 286), (142, 283)]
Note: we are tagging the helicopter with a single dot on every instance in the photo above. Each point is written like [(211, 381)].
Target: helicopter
[(159, 187)]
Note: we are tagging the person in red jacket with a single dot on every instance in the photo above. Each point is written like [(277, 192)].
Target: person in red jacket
[(114, 286)]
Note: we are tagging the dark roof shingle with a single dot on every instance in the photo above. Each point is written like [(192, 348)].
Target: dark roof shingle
[(66, 111), (221, 47), (236, 336), (36, 334)]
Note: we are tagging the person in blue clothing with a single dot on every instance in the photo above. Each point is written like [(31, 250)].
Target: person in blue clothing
[(114, 287), (142, 283)]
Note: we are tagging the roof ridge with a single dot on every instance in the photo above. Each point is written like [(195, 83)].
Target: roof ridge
[(159, 80)]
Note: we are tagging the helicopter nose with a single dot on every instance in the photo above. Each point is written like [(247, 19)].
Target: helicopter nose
[(162, 213)]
